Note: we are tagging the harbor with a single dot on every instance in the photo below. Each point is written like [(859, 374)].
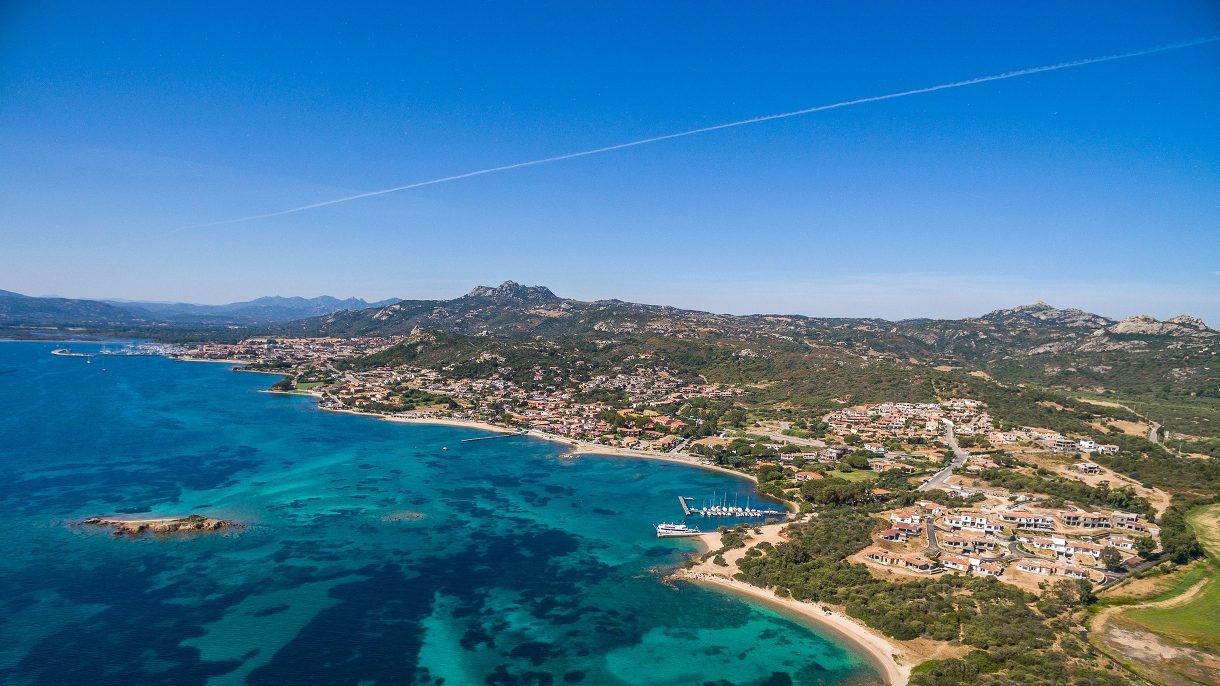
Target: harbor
[(718, 506), (64, 352)]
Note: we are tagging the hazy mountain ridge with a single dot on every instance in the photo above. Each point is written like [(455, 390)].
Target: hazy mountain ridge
[(268, 309), (1035, 342), (17, 309)]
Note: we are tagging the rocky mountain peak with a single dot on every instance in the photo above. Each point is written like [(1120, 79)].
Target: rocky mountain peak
[(1188, 321), (511, 290), (1041, 312)]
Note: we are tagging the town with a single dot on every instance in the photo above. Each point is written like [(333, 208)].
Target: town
[(969, 519)]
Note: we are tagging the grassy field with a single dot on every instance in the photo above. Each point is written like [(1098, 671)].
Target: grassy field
[(854, 475), (1161, 583), (1194, 416), (308, 385), (1197, 622)]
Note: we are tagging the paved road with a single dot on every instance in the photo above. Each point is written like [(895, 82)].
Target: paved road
[(933, 545), (795, 440), (959, 458), (1153, 431), (1016, 553)]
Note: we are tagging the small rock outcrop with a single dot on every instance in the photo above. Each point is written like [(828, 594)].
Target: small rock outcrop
[(161, 526), (403, 516)]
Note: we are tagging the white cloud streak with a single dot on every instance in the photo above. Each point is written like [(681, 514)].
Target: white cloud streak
[(718, 127)]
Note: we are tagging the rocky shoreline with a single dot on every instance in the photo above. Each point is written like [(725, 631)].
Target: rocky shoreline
[(161, 526)]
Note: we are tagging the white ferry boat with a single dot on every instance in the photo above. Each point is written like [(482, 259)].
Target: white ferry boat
[(676, 531)]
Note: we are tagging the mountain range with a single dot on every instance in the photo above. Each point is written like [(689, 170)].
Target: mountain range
[(22, 310), (1036, 342), (1039, 342), (260, 310)]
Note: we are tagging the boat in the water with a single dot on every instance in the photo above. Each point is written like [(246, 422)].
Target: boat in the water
[(676, 531)]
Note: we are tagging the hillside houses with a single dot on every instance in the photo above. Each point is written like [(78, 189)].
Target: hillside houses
[(910, 516), (974, 521), (965, 543), (908, 420), (1058, 520), (899, 533), (1066, 547), (973, 565), (915, 563), (1044, 568)]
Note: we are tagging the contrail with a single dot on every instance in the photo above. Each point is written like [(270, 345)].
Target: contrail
[(720, 127)]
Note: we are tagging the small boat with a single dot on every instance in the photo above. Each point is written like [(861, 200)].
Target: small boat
[(676, 531)]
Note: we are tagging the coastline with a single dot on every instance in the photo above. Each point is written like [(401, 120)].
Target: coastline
[(893, 660), (576, 447), (594, 449), (880, 652), (878, 649), (203, 359)]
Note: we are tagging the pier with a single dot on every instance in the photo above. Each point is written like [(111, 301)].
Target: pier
[(488, 438), (720, 508), (64, 352)]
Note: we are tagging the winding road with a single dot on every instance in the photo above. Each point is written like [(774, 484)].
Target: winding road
[(959, 458), (1153, 430)]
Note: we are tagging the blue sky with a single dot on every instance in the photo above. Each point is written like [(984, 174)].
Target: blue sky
[(123, 127)]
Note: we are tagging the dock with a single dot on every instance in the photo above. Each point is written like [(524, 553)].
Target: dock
[(488, 438), (719, 507), (64, 352)]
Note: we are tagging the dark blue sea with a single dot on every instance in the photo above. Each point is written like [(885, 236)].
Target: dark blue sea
[(376, 552)]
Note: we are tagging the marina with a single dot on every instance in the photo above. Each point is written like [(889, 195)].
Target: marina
[(719, 506), (144, 349)]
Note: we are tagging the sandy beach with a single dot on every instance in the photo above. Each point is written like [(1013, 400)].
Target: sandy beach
[(884, 654), (594, 449), (892, 660), (443, 421)]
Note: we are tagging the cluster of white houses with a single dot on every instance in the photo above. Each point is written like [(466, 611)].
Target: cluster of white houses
[(1041, 520), (1035, 565), (963, 563), (909, 420), (970, 541), (1051, 440), (915, 563)]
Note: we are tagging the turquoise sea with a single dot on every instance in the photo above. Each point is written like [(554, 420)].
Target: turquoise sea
[(525, 568)]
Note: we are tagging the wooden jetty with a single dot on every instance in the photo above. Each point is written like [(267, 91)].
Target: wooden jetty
[(488, 438)]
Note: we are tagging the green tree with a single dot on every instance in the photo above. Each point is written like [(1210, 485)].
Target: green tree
[(1145, 545)]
